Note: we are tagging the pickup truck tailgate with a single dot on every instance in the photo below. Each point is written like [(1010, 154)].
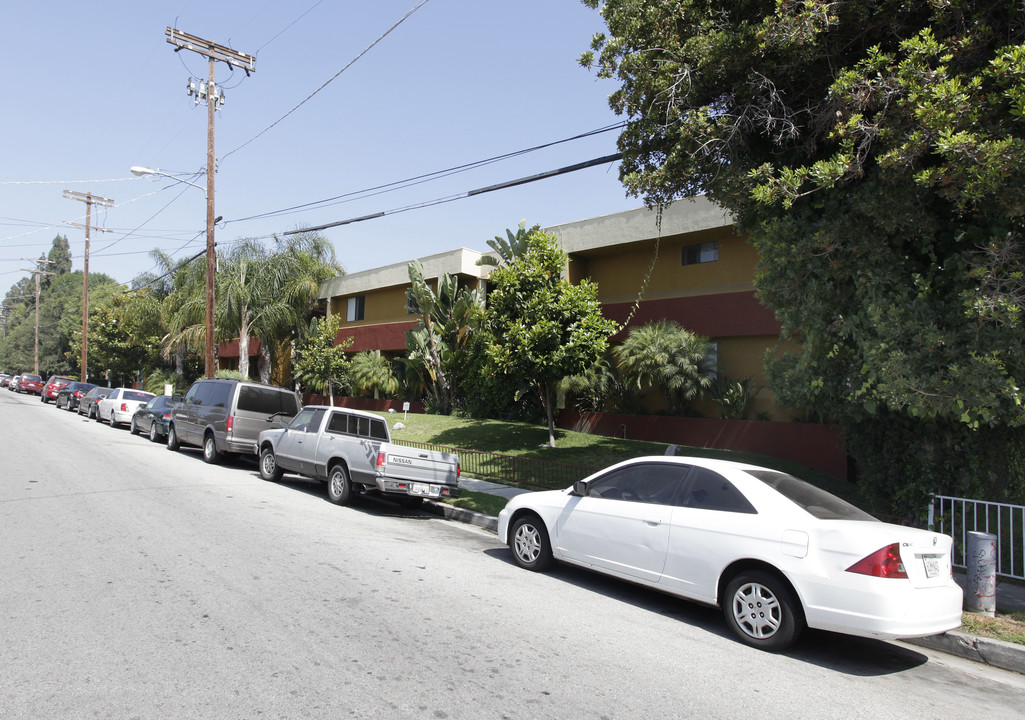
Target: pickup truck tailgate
[(425, 466)]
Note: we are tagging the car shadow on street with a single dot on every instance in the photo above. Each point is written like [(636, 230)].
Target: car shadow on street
[(861, 657), (369, 504)]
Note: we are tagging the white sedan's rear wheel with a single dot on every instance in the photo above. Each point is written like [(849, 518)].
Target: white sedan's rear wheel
[(761, 610)]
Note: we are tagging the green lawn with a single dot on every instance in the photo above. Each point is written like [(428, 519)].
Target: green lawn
[(573, 448)]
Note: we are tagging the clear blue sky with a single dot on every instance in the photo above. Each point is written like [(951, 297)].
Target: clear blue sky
[(95, 88)]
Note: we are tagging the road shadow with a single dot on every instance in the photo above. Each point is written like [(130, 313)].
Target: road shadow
[(375, 505), (860, 657)]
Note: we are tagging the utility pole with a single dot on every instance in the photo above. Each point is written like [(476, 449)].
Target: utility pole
[(214, 97), (89, 199), (37, 272)]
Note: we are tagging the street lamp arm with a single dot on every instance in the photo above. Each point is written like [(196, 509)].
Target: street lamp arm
[(140, 171)]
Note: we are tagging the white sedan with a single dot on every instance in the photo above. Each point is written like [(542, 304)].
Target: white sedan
[(775, 553), (120, 405)]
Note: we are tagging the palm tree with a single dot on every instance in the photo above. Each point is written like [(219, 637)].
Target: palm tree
[(371, 373), (667, 357), (268, 294)]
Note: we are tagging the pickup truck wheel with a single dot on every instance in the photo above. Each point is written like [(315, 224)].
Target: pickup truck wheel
[(210, 452), (339, 487), (172, 439), (531, 548), (269, 469)]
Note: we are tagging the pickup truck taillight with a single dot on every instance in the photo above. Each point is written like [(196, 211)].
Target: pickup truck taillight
[(380, 460), (459, 470)]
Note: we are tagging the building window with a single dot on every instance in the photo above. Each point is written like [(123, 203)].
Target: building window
[(412, 306), (700, 253), (355, 308)]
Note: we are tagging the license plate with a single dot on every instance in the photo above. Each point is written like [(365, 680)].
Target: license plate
[(424, 489), (932, 566)]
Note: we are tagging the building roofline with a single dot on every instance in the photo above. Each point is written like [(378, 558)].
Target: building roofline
[(681, 217), (462, 261)]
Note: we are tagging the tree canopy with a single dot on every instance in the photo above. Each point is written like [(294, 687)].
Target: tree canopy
[(875, 155), (540, 328)]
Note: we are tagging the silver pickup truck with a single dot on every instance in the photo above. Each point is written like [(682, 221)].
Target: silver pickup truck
[(352, 451)]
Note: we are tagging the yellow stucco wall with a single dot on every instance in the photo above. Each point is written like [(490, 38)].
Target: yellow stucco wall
[(620, 270)]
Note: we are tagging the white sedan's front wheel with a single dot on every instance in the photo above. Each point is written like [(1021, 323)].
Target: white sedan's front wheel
[(528, 540)]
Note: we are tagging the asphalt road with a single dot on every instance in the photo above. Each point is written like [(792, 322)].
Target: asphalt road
[(140, 583)]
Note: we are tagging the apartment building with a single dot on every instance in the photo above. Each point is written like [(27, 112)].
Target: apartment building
[(686, 263)]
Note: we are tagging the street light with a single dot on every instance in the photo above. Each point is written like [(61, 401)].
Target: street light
[(211, 260)]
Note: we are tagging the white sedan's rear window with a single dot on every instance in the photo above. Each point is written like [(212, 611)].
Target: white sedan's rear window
[(813, 500)]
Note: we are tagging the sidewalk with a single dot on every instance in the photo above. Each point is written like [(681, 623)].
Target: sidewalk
[(1010, 597)]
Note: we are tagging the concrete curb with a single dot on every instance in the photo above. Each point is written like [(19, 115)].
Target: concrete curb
[(471, 517), (1004, 655)]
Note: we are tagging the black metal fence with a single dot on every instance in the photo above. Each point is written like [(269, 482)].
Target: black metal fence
[(511, 470)]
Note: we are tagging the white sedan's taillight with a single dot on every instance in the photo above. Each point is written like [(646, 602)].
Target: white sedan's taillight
[(884, 563)]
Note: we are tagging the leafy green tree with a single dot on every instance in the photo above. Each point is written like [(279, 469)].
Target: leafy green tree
[(665, 356), (540, 328), (875, 155), (319, 364), (125, 335)]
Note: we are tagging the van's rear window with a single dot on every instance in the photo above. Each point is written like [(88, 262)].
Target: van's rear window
[(267, 401)]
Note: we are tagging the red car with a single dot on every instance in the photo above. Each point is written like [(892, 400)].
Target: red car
[(30, 383), (53, 386)]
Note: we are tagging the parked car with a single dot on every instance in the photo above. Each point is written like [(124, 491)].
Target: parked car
[(30, 383), (13, 385), (5, 379), (222, 415), (53, 386), (71, 395), (353, 453), (87, 405), (154, 417), (120, 405), (775, 553)]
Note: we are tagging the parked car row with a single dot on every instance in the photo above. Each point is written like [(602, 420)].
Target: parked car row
[(29, 383), (774, 553)]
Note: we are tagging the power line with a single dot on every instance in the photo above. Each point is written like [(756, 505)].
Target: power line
[(470, 193), (330, 80), (419, 179)]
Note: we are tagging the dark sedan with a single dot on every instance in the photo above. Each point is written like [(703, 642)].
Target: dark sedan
[(87, 406), (153, 417), (71, 395)]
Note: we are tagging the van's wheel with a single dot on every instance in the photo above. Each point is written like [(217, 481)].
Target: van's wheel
[(269, 469), (172, 439), (531, 548), (762, 611), (339, 487), (210, 452)]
